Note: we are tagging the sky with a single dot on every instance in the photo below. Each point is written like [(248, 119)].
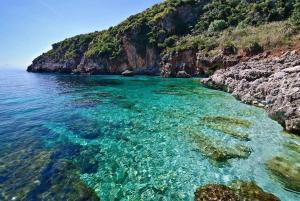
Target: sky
[(29, 27)]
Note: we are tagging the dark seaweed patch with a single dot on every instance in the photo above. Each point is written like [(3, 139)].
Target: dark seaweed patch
[(86, 128)]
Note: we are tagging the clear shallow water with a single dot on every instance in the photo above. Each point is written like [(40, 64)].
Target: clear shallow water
[(129, 138)]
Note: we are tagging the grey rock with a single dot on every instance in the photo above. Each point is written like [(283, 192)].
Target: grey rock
[(183, 74), (265, 83), (128, 73), (295, 69)]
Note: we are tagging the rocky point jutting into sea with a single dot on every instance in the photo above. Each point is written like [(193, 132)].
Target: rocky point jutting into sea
[(272, 83)]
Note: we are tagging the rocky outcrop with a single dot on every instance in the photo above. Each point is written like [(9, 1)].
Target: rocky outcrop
[(166, 39), (237, 191), (82, 64), (136, 44), (133, 44), (194, 63), (270, 83), (174, 62)]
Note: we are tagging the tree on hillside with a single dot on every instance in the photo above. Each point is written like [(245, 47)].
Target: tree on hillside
[(296, 14)]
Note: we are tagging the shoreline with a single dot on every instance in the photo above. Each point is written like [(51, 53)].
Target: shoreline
[(272, 84), (248, 81)]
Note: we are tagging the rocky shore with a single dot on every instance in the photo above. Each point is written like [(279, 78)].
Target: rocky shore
[(185, 39), (270, 83)]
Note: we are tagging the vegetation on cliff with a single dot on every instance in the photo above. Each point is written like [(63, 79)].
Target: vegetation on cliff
[(108, 43), (243, 23), (174, 25)]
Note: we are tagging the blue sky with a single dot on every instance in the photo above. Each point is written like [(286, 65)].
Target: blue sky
[(29, 27)]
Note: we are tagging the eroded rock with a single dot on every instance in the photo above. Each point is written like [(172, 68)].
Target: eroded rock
[(271, 83)]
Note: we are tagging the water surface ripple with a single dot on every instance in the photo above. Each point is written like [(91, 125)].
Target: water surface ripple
[(139, 138)]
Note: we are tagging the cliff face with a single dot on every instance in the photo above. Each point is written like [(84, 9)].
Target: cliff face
[(194, 63), (170, 38), (183, 38), (132, 45)]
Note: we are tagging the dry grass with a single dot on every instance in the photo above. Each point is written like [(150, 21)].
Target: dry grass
[(269, 36)]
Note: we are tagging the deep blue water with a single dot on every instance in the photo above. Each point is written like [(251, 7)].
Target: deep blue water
[(138, 138)]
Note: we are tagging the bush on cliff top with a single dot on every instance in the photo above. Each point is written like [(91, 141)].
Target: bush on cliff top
[(234, 12), (206, 32), (71, 47), (296, 14), (108, 43)]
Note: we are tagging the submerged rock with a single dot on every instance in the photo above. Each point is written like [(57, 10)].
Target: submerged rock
[(250, 191), (229, 130), (172, 90), (29, 173), (61, 181), (20, 171), (286, 170), (227, 125), (292, 146), (218, 152), (215, 192), (237, 191), (227, 120)]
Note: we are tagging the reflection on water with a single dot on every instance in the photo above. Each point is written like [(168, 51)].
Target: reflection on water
[(68, 137)]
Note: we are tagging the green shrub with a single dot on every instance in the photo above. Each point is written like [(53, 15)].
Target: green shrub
[(217, 25), (241, 22), (235, 12), (295, 18), (171, 41)]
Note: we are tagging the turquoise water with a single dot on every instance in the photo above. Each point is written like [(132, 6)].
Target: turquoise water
[(139, 138)]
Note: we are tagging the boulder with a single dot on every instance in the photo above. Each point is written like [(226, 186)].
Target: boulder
[(183, 74), (128, 73)]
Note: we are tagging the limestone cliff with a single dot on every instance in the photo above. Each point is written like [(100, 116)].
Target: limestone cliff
[(135, 44), (271, 83), (183, 38), (173, 37)]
